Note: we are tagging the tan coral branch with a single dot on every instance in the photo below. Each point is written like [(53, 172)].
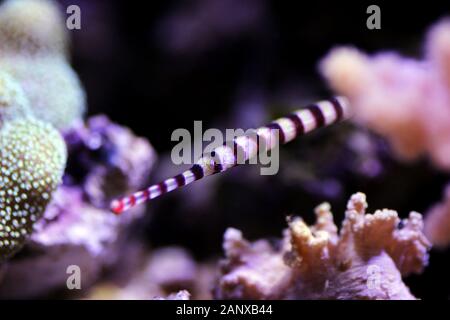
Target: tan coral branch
[(365, 261)]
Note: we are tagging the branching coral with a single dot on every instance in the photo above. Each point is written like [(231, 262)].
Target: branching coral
[(365, 260), (32, 26), (33, 50), (33, 158), (405, 100)]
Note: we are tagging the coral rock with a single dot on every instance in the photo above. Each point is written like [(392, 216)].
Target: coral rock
[(180, 295), (252, 270), (161, 273), (71, 232), (73, 229), (104, 163), (366, 260)]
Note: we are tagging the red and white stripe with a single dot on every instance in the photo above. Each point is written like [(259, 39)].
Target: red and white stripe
[(244, 148)]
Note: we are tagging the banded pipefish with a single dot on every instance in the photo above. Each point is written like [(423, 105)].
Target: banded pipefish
[(243, 148)]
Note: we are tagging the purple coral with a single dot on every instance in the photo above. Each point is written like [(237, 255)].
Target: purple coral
[(102, 161), (169, 272)]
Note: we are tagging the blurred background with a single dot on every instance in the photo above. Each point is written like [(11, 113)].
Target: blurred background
[(158, 66)]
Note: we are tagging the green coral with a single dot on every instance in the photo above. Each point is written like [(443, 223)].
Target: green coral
[(32, 26), (34, 50), (32, 156), (32, 160), (38, 92), (13, 102), (50, 84)]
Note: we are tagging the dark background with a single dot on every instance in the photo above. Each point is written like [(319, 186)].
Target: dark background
[(134, 59), (155, 66)]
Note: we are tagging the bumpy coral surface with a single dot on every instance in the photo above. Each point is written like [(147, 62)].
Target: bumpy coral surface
[(51, 86), (32, 26), (33, 158), (70, 232), (365, 260), (405, 100), (13, 103), (73, 229)]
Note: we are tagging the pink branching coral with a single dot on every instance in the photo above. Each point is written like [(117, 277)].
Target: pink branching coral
[(437, 222), (366, 259), (405, 100)]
